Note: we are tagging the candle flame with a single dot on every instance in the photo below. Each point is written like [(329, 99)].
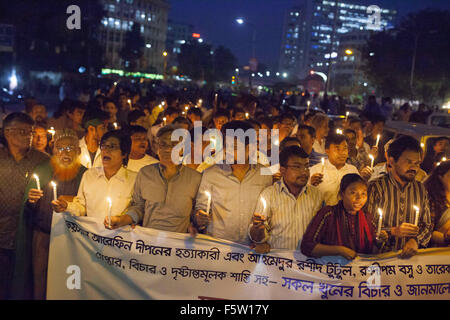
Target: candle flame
[(371, 157), (35, 176), (380, 212), (109, 201), (416, 208), (264, 203), (53, 184), (323, 161)]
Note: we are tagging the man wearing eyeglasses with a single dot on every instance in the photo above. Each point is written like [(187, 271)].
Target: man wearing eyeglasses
[(35, 222), (113, 180), (164, 192), (286, 207), (18, 161)]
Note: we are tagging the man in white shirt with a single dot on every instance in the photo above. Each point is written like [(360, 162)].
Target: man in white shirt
[(112, 181), (327, 177), (95, 124), (139, 144), (286, 207)]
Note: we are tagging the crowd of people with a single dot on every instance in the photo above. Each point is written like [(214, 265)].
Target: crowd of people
[(324, 197)]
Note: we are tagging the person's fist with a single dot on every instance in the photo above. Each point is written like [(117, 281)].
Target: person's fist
[(406, 230), (347, 253), (201, 219), (34, 195), (409, 249), (257, 231), (316, 179), (366, 172), (59, 205)]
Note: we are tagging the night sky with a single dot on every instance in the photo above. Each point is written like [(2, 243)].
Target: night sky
[(215, 21)]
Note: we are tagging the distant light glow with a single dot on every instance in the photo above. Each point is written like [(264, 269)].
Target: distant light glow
[(13, 80), (240, 20)]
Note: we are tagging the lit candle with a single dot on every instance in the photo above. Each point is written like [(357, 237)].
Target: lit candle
[(212, 141), (346, 115), (246, 115), (443, 159), (37, 181), (264, 207), (308, 103), (186, 108), (323, 164), (88, 161), (378, 140), (215, 99), (109, 210), (380, 221), (165, 120), (208, 205), (52, 131), (115, 83), (55, 195), (416, 220), (373, 159), (115, 125), (200, 101), (163, 103)]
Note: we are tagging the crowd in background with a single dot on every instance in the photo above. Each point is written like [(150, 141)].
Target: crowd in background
[(112, 151)]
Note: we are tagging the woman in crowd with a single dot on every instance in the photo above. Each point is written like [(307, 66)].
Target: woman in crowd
[(435, 152), (438, 187), (344, 229)]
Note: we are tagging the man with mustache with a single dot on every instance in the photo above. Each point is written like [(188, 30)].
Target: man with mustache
[(290, 204), (396, 194), (328, 177), (139, 144), (33, 236), (164, 192)]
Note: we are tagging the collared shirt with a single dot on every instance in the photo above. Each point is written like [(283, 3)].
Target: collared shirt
[(136, 165), (161, 204), (331, 179), (209, 162), (397, 204), (85, 156), (288, 216), (319, 147), (94, 190), (14, 177), (232, 202)]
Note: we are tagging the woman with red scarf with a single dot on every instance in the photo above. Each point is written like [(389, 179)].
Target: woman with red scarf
[(344, 229)]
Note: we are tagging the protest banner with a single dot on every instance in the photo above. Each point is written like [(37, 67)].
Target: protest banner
[(88, 262)]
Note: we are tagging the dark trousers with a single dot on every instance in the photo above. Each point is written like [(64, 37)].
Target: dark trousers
[(6, 271), (41, 245)]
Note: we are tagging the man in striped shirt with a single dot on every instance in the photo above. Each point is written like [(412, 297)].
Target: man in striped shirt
[(286, 208), (397, 194)]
